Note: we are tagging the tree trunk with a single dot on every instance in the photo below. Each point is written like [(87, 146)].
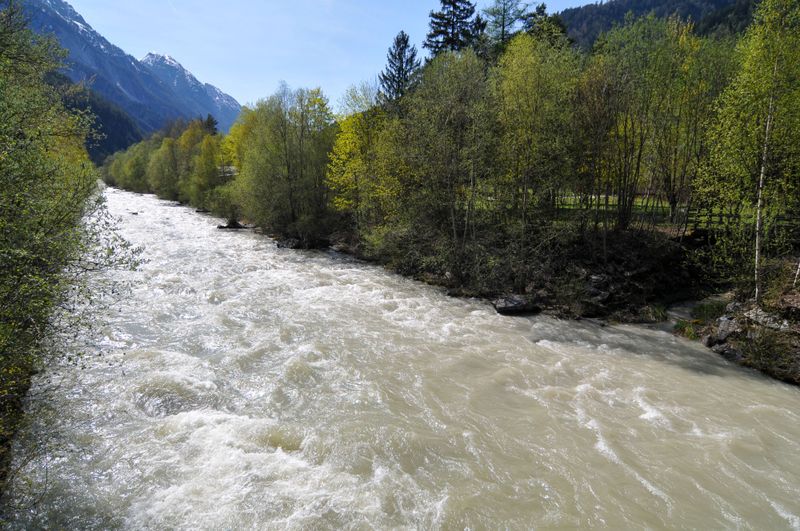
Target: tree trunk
[(796, 275), (762, 177)]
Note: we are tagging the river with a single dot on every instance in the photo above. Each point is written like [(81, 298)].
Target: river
[(242, 386)]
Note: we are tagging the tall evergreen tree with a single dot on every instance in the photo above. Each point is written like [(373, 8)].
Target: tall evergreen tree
[(211, 124), (400, 70), (503, 17), (541, 25), (452, 28)]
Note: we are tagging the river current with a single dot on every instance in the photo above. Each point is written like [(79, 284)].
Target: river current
[(242, 386)]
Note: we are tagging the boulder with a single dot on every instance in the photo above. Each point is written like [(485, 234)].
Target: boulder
[(516, 305), (728, 352), (726, 327), (762, 318), (232, 225), (289, 243)]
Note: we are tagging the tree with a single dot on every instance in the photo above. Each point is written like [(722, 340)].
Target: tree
[(210, 124), (206, 175), (448, 146), (51, 229), (233, 144), (503, 17), (535, 85), (755, 155), (631, 53), (162, 171), (352, 171), (539, 24), (691, 72), (452, 28), (285, 155), (401, 69), (187, 148)]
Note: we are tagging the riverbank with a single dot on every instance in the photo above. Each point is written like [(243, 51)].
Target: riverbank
[(631, 277), (14, 386), (628, 277), (765, 338), (636, 280)]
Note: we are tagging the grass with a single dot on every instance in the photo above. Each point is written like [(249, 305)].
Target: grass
[(709, 312), (687, 329)]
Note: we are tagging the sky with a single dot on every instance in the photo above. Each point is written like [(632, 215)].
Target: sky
[(247, 47)]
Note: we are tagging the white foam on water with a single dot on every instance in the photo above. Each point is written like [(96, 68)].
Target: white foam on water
[(246, 387)]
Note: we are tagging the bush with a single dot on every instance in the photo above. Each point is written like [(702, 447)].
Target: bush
[(774, 353), (687, 329)]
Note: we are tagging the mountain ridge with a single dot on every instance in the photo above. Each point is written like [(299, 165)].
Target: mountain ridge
[(119, 77), (197, 95)]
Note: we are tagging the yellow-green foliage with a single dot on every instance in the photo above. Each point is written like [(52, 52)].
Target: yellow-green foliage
[(162, 170), (206, 174), (361, 186)]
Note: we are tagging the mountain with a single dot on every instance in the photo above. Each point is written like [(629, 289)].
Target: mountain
[(584, 24), (114, 129), (117, 76), (198, 97), (729, 20)]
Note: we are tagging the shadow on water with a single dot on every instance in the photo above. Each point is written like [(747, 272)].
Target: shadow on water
[(629, 340)]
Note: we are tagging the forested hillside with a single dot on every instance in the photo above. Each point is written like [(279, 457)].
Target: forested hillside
[(602, 183), (112, 129), (586, 23)]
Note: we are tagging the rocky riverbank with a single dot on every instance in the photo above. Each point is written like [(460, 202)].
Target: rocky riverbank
[(764, 339)]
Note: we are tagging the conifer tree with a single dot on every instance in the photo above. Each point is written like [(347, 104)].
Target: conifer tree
[(210, 124), (541, 25), (503, 17), (400, 70), (453, 28)]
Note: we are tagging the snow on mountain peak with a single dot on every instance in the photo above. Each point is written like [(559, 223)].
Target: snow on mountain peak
[(154, 58)]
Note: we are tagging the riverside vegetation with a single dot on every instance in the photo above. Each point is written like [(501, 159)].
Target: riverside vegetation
[(53, 229), (660, 165)]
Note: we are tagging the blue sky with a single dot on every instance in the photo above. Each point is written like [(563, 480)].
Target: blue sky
[(247, 47)]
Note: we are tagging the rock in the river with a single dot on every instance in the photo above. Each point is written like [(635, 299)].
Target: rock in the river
[(516, 305), (727, 351), (289, 243), (232, 225), (709, 340)]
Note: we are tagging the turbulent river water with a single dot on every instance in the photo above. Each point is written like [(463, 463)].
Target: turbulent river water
[(246, 387)]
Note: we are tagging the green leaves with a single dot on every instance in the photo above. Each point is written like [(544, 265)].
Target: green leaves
[(755, 137), (52, 227)]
